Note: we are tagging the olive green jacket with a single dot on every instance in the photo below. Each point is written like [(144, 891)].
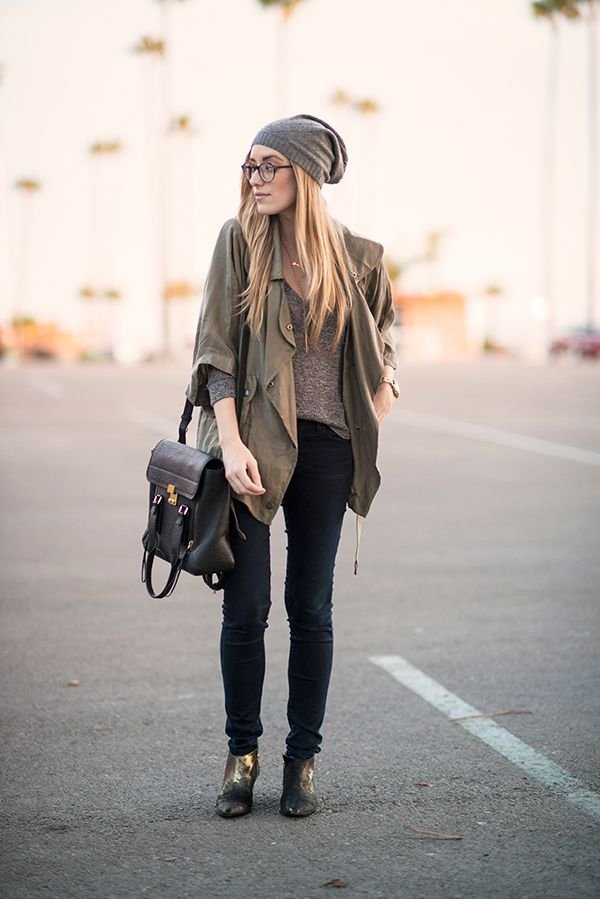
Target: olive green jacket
[(268, 415)]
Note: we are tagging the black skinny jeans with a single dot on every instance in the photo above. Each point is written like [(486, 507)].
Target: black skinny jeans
[(313, 507)]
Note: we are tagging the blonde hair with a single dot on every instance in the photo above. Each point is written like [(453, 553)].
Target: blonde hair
[(321, 254)]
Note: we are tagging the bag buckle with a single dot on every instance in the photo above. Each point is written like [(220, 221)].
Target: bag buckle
[(172, 495)]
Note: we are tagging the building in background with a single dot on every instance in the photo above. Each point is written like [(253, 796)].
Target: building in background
[(434, 327)]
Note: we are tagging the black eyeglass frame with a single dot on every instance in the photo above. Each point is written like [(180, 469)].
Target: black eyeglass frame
[(248, 167)]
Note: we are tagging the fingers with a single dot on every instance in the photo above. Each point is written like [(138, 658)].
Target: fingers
[(243, 476), (254, 475), (242, 484)]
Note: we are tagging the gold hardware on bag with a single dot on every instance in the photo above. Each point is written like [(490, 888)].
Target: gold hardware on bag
[(172, 495)]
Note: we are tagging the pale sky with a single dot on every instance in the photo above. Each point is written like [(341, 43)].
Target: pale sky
[(456, 147)]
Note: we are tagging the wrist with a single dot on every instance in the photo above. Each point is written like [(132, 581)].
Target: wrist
[(391, 383), (230, 441)]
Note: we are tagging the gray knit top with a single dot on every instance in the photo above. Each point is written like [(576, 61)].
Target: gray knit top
[(317, 372)]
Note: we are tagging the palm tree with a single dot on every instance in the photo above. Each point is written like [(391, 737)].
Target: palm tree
[(182, 135), (365, 108), (550, 11), (28, 187), (158, 50), (155, 51), (429, 255), (286, 8), (592, 192), (102, 258), (490, 292)]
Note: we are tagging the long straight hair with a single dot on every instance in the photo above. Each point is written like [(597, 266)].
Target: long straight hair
[(321, 254)]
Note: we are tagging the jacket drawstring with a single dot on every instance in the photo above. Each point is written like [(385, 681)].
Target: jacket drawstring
[(236, 520), (360, 520)]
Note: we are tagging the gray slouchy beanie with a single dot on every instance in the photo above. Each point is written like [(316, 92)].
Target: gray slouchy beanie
[(309, 142)]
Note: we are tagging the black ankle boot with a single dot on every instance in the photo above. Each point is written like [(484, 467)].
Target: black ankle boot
[(299, 798), (235, 798)]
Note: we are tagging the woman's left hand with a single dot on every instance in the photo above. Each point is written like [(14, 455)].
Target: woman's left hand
[(383, 401)]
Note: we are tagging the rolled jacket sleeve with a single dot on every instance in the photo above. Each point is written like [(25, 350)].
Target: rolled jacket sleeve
[(217, 334)]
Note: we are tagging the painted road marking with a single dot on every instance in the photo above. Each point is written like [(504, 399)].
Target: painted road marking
[(497, 436), (512, 748)]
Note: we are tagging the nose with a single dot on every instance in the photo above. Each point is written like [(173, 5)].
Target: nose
[(256, 174)]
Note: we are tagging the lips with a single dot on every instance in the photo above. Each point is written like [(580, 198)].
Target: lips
[(260, 196)]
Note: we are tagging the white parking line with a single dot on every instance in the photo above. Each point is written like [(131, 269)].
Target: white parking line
[(497, 436), (512, 748)]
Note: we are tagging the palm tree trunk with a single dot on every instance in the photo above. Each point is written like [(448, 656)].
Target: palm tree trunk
[(163, 187), (281, 67), (22, 271), (548, 178), (592, 192)]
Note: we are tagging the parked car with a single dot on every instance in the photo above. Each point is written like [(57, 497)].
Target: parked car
[(581, 342)]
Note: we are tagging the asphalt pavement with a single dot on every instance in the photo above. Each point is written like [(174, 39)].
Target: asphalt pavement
[(479, 581)]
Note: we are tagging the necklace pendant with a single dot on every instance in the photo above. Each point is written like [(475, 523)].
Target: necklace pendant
[(296, 265)]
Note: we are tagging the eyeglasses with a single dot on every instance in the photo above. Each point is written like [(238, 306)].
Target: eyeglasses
[(266, 170)]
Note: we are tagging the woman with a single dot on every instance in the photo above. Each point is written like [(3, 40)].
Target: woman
[(319, 380)]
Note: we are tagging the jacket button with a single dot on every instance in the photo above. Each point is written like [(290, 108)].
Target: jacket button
[(270, 384), (246, 392), (289, 327), (269, 505)]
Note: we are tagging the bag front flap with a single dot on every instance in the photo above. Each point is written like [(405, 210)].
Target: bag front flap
[(173, 463)]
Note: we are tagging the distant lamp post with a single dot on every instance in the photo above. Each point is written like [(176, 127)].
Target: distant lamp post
[(28, 188)]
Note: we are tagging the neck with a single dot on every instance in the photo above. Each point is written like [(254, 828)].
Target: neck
[(287, 228)]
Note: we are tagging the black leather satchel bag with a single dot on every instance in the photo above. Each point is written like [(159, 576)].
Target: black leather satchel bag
[(190, 504), (188, 521)]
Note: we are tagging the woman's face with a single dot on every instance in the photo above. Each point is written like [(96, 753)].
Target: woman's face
[(276, 196)]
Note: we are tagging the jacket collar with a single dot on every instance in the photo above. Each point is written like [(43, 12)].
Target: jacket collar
[(363, 255)]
